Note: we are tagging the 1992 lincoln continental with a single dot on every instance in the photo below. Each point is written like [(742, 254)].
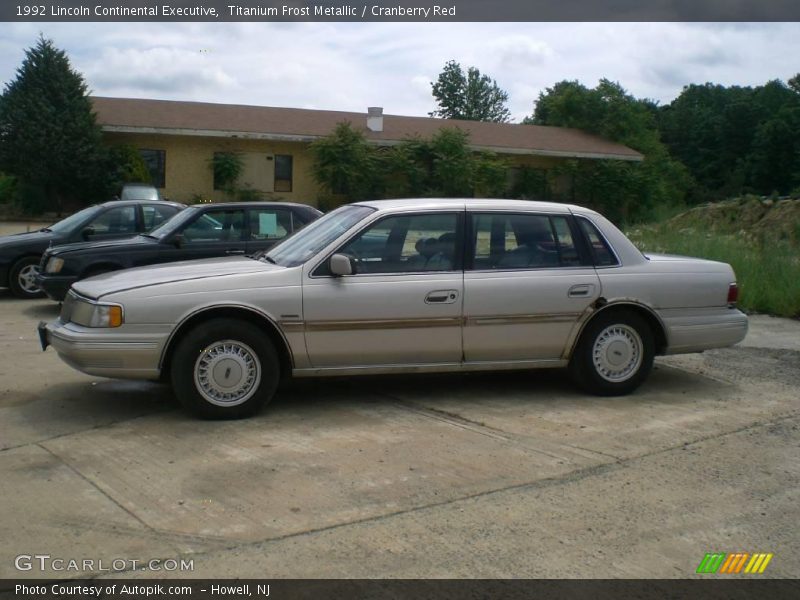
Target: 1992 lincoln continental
[(397, 286)]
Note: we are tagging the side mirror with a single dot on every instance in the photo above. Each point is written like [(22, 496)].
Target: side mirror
[(177, 239), (87, 233), (341, 264)]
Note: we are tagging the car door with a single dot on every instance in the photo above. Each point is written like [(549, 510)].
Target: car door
[(402, 306), (526, 285), (267, 226), (211, 233)]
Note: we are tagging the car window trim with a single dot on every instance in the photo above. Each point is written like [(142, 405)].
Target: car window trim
[(458, 263), (469, 267)]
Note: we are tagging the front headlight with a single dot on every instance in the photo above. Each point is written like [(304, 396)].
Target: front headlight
[(92, 314), (54, 265), (106, 315)]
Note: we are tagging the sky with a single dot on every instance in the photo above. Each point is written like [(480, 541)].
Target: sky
[(350, 66)]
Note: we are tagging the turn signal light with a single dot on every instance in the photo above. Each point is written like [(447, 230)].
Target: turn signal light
[(733, 293)]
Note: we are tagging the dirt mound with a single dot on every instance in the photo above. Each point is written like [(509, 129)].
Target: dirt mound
[(766, 219)]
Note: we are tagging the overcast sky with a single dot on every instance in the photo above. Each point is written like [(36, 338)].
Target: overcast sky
[(349, 66)]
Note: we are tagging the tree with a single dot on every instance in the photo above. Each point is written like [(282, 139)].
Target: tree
[(49, 138), (736, 140), (623, 190), (794, 83), (345, 164), (471, 96)]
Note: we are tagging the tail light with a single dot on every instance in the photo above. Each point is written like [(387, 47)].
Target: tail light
[(733, 293)]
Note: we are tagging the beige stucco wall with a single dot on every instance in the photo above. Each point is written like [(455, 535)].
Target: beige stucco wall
[(189, 176)]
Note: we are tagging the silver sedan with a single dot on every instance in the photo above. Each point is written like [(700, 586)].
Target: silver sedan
[(399, 286)]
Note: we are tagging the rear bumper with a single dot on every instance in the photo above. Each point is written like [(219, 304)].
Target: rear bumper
[(703, 329), (55, 287), (105, 353)]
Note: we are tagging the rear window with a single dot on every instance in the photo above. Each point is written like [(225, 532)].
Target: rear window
[(602, 254)]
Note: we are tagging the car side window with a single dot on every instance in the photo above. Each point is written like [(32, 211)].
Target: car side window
[(270, 223), (155, 214), (522, 241), (117, 220), (215, 226), (406, 244), (601, 251)]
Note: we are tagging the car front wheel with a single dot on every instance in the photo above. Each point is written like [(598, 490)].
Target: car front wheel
[(22, 278), (225, 369), (614, 355)]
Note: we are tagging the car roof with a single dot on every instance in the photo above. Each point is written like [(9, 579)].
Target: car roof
[(254, 203), (140, 201), (469, 203)]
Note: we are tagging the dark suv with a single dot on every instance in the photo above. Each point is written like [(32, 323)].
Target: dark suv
[(20, 254), (200, 231)]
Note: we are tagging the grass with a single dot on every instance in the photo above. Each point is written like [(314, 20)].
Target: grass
[(767, 271)]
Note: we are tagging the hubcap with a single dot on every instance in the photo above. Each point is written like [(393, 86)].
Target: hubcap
[(227, 373), (617, 353), (27, 278)]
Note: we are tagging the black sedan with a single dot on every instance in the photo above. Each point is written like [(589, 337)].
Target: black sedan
[(200, 231), (20, 254)]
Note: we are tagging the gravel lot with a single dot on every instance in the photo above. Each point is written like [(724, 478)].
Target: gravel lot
[(488, 475)]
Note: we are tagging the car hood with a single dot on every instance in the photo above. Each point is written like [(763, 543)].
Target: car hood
[(25, 237), (131, 243), (128, 279)]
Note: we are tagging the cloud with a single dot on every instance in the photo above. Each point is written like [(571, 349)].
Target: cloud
[(349, 66), (159, 70)]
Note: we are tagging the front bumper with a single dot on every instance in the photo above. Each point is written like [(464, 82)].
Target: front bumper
[(55, 286), (103, 352)]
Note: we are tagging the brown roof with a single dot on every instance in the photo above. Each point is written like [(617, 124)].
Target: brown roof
[(200, 118)]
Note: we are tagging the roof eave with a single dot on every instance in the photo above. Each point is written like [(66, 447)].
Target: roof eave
[(284, 137)]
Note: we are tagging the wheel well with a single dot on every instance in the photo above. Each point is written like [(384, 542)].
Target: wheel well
[(230, 312), (659, 335)]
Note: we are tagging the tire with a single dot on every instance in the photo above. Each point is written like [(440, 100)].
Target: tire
[(614, 354), (221, 352), (20, 278)]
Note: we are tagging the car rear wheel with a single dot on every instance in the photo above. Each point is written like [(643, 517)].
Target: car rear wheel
[(225, 369), (614, 355), (22, 278)]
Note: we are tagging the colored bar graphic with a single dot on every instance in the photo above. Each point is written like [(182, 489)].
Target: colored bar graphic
[(758, 563), (711, 562), (733, 563)]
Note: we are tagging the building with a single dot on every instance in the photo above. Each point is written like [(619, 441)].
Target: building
[(178, 141)]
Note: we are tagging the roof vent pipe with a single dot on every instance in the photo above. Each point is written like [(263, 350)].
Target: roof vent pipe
[(375, 118)]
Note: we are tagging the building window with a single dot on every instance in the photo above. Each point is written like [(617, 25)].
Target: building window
[(156, 161), (283, 173)]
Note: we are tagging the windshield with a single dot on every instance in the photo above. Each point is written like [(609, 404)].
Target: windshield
[(71, 222), (298, 248), (170, 225)]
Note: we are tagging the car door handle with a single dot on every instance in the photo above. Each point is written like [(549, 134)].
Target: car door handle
[(234, 251), (581, 290), (441, 297)]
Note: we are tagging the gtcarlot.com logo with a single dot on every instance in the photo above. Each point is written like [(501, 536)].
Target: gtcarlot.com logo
[(734, 563), (45, 562)]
